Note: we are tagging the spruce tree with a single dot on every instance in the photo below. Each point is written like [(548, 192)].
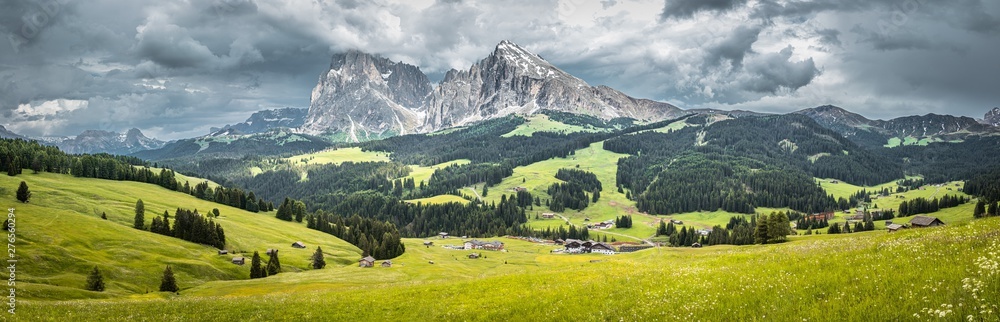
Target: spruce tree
[(104, 216), (23, 193), (273, 265), (486, 190), (140, 215), (14, 167), (317, 258), (256, 271), (761, 234), (285, 210), (95, 281), (168, 283), (298, 210), (993, 211)]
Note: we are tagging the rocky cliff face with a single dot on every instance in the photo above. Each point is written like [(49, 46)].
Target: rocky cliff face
[(992, 117), (514, 80), (363, 94)]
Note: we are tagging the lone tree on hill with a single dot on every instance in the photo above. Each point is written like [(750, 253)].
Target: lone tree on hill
[(273, 265), (168, 283), (95, 281), (317, 259), (256, 271), (104, 216), (140, 215), (23, 194)]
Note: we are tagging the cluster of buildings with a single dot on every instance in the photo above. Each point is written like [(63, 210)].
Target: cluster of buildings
[(484, 245), (575, 246)]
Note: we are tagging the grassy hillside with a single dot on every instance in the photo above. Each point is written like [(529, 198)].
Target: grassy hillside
[(61, 237), (538, 176), (337, 156), (541, 122), (439, 200), (917, 274)]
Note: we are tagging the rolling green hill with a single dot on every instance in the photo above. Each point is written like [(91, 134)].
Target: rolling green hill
[(915, 274), (61, 237)]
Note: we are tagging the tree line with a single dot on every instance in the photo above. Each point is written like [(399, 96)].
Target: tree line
[(188, 225), (924, 206), (375, 238)]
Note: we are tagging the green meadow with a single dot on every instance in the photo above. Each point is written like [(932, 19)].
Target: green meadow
[(918, 274), (541, 122), (337, 156), (61, 237)]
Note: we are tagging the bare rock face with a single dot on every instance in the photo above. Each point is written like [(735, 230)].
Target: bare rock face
[(992, 117), (369, 96), (514, 80), (362, 95)]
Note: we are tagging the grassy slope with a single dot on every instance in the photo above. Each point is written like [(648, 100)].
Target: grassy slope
[(192, 181), (61, 238), (902, 275), (439, 199), (338, 156), (539, 176), (420, 173), (541, 122)]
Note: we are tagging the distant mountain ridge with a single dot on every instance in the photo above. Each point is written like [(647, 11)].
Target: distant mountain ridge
[(7, 134), (97, 141), (265, 120), (367, 96), (877, 132)]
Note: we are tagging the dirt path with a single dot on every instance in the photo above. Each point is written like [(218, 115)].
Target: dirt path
[(476, 192)]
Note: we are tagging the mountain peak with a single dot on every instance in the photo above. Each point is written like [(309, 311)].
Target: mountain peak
[(992, 117)]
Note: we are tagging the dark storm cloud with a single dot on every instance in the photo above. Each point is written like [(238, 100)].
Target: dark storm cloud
[(829, 37), (772, 72), (687, 8), (734, 47)]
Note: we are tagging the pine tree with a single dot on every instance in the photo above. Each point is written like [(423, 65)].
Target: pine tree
[(104, 216), (993, 210), (317, 258), (95, 281), (285, 210), (14, 167), (761, 234), (273, 265), (486, 190), (661, 229), (596, 196), (298, 210), (23, 194), (168, 283), (256, 271), (140, 215)]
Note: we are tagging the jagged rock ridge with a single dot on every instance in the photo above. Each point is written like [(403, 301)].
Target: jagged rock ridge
[(366, 95)]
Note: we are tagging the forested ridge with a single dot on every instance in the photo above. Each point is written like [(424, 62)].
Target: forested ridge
[(740, 164)]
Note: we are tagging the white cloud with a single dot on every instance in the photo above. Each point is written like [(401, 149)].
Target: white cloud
[(48, 108)]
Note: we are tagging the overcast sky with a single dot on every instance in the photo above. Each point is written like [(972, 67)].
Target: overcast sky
[(175, 68)]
